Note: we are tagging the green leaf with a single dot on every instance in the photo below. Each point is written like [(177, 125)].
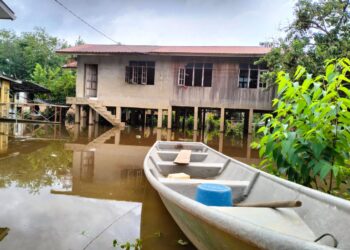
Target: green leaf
[(300, 71), (325, 168)]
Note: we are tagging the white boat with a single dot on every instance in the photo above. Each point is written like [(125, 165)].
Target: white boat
[(321, 222)]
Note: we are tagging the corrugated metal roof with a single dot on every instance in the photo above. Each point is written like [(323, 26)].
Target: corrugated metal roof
[(168, 50)]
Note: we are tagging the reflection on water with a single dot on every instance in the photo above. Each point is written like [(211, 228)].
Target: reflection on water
[(76, 188)]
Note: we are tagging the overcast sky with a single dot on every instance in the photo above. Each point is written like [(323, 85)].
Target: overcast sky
[(161, 22)]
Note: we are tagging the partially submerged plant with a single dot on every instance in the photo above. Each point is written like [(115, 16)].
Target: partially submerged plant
[(307, 136)]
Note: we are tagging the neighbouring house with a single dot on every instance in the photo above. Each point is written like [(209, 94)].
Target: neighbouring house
[(168, 80), (17, 97), (6, 12)]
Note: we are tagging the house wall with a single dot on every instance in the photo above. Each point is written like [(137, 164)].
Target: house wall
[(114, 91), (4, 97)]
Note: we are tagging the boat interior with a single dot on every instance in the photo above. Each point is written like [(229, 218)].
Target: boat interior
[(317, 220)]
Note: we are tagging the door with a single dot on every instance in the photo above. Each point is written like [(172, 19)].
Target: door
[(91, 80)]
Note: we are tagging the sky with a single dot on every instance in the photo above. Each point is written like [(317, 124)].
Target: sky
[(156, 22)]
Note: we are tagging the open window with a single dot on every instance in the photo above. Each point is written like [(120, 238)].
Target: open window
[(250, 76), (140, 72), (196, 75)]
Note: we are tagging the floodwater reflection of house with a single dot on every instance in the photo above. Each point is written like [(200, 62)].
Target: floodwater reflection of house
[(125, 83)]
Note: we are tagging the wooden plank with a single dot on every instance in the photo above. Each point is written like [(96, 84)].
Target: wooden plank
[(183, 158)]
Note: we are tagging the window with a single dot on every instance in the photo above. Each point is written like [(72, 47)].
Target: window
[(196, 74), (140, 72), (250, 76)]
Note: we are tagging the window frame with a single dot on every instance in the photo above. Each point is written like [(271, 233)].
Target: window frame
[(138, 70), (260, 70), (181, 79)]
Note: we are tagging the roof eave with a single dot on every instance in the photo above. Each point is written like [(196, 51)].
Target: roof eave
[(162, 54), (7, 9)]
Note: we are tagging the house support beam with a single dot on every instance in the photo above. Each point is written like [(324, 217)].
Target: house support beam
[(91, 116), (250, 121), (222, 120), (77, 114), (170, 112), (195, 119), (118, 113), (160, 118)]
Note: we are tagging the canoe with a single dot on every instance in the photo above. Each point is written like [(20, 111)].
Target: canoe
[(233, 227)]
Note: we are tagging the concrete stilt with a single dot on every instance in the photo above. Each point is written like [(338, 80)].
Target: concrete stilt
[(170, 112), (97, 117), (250, 121), (221, 142), (91, 116), (159, 134), (77, 114), (160, 118), (222, 120), (81, 114), (118, 114), (249, 141), (195, 119), (117, 137)]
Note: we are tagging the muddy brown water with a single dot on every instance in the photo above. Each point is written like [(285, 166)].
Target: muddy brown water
[(69, 187)]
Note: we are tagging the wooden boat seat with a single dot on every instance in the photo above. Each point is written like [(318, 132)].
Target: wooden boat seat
[(189, 186), (194, 169), (282, 220), (183, 157), (171, 155)]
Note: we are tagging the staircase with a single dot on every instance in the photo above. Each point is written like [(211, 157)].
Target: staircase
[(102, 111)]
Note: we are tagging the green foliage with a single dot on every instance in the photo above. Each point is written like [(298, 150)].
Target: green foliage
[(308, 136), (320, 30), (234, 129), (212, 122), (137, 245), (20, 53), (60, 81)]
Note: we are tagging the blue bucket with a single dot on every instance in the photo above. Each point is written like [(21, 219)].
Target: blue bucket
[(214, 195)]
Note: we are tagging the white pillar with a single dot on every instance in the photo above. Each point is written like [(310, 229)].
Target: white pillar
[(91, 116), (118, 114), (195, 119), (160, 118), (250, 121), (77, 114), (222, 120), (170, 112)]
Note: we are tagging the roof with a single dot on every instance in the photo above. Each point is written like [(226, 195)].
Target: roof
[(25, 86), (6, 12), (167, 50)]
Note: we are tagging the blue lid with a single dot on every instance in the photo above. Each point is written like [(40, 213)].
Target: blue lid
[(212, 194)]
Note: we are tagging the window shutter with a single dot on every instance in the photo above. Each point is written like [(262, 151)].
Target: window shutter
[(181, 77), (143, 75)]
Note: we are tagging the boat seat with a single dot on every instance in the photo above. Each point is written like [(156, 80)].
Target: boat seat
[(282, 220), (171, 155), (194, 169), (189, 186)]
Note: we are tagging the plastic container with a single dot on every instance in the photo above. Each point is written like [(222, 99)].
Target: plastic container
[(214, 195)]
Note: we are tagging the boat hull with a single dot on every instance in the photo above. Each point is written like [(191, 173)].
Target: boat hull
[(201, 234)]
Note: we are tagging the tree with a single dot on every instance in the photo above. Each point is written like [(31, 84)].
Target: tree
[(20, 53), (61, 82), (320, 30), (307, 138)]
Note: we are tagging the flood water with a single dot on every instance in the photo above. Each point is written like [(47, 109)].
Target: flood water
[(81, 188)]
